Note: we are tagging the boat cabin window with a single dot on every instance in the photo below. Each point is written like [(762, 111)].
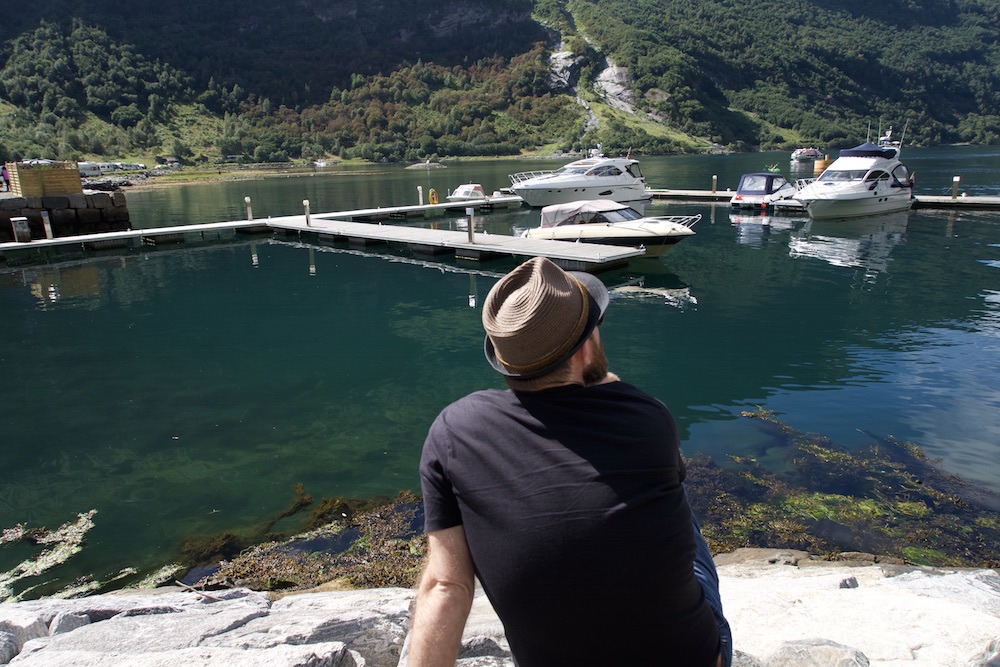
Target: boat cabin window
[(876, 175), (761, 184), (754, 183), (607, 170), (901, 174), (842, 175), (634, 170)]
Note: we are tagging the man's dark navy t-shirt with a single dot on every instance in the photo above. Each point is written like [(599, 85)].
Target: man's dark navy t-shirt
[(580, 532)]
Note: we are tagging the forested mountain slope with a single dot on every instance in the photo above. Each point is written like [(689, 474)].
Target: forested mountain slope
[(405, 80)]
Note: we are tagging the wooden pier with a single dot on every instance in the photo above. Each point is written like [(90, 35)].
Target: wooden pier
[(342, 227), (919, 201)]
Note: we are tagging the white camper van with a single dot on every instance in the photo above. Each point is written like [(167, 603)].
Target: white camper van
[(89, 169)]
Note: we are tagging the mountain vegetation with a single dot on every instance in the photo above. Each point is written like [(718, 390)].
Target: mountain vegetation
[(394, 80)]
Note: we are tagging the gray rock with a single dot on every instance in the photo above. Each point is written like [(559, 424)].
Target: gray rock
[(991, 658), (17, 627), (67, 622), (351, 628), (741, 659), (817, 653)]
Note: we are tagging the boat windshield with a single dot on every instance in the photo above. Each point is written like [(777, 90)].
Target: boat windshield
[(625, 214), (843, 175), (569, 169)]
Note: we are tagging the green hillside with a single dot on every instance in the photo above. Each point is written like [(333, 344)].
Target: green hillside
[(411, 80)]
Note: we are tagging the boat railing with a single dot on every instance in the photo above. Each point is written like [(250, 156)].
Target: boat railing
[(684, 220), (525, 175)]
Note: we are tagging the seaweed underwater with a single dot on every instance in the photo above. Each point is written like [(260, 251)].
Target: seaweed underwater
[(887, 499)]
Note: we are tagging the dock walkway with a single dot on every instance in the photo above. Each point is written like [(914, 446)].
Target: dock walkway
[(333, 228), (919, 202)]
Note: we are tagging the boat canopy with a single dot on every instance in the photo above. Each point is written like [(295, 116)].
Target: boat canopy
[(558, 214), (868, 149), (761, 183)]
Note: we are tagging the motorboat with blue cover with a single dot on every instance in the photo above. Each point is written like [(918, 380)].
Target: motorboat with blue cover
[(760, 190)]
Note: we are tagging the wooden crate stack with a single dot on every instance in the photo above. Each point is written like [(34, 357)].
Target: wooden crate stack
[(40, 180)]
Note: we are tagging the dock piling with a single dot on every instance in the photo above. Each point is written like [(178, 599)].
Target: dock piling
[(471, 212), (420, 195), (305, 205), (715, 183), (246, 200), (954, 186), (47, 224)]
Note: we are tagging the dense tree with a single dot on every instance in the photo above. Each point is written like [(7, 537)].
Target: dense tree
[(399, 80)]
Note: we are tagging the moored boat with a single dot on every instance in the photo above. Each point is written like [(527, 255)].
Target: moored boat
[(612, 223), (807, 154), (865, 180), (760, 190), (617, 179), (467, 192)]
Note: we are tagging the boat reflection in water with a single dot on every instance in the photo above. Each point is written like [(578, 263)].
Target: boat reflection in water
[(863, 243), (753, 229)]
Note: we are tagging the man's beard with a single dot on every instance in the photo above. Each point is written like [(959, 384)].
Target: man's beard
[(598, 366)]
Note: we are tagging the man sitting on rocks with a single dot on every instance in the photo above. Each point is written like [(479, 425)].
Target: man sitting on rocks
[(564, 496)]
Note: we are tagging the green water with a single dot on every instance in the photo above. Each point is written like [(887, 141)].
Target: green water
[(184, 392)]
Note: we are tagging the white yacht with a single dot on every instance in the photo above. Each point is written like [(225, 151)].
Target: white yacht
[(617, 179), (807, 154), (864, 180), (612, 223)]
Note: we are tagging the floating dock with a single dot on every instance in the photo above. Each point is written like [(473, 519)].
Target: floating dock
[(919, 201), (342, 227)]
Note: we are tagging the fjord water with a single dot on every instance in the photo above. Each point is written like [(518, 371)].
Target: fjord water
[(184, 392)]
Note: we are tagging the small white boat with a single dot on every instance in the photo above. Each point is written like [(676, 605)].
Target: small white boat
[(612, 223), (467, 192), (806, 154), (865, 180), (761, 190), (617, 179)]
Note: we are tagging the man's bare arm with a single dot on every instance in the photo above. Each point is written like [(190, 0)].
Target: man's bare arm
[(444, 599)]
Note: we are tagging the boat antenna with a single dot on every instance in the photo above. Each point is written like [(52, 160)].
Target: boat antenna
[(868, 133)]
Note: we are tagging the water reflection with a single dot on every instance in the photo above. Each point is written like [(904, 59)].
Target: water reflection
[(756, 228), (863, 243)]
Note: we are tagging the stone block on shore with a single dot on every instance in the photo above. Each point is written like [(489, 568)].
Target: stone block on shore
[(13, 203), (782, 615), (100, 200)]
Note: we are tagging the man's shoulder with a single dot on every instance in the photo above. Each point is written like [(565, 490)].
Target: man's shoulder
[(477, 400)]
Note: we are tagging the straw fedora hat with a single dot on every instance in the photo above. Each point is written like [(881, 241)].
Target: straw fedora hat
[(537, 316)]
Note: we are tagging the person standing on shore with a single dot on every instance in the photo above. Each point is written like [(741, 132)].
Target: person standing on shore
[(6, 178), (564, 496)]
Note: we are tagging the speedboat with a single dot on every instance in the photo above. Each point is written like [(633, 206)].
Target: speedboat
[(864, 180), (467, 192), (612, 223), (806, 154), (760, 190), (617, 179)]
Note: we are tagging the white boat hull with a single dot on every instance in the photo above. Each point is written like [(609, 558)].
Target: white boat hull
[(656, 238), (539, 195), (857, 204)]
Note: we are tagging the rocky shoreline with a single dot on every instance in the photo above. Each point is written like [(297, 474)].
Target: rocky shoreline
[(786, 608)]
